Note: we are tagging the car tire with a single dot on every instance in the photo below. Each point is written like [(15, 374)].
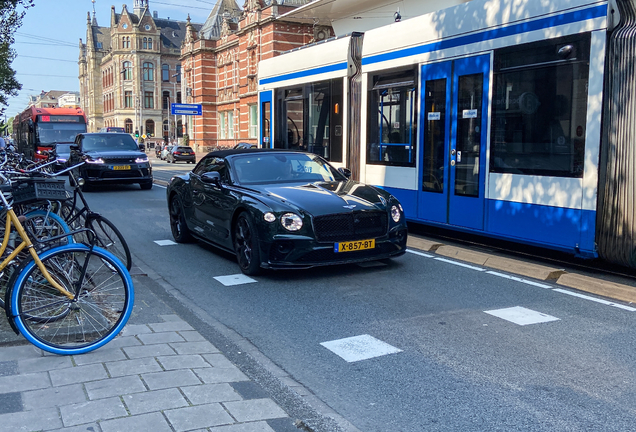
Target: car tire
[(178, 226), (246, 245), (146, 185)]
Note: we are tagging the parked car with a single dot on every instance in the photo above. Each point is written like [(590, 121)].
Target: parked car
[(112, 158), (283, 209), (181, 154), (112, 129), (164, 152)]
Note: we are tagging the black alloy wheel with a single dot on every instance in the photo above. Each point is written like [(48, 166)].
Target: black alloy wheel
[(246, 245), (178, 226)]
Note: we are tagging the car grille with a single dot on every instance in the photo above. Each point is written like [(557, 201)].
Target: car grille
[(351, 226), (119, 160)]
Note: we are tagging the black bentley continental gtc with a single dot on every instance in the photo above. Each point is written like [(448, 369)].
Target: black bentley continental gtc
[(284, 209)]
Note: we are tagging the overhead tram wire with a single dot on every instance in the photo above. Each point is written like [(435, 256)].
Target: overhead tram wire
[(46, 39), (46, 58)]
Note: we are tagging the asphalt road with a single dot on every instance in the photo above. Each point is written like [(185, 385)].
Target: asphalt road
[(454, 363)]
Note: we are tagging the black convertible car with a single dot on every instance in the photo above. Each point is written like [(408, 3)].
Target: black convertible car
[(284, 209)]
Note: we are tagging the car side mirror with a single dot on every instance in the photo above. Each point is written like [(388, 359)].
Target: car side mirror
[(212, 178), (74, 147), (345, 172), (142, 147)]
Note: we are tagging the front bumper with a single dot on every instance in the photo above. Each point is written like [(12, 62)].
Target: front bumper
[(286, 252), (108, 173)]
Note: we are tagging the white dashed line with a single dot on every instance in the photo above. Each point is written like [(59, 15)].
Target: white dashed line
[(419, 253), (518, 279), (460, 264), (237, 279), (521, 316), (358, 348), (594, 299), (165, 242)]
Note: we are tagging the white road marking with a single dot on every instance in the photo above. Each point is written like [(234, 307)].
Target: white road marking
[(460, 264), (237, 279), (165, 242), (594, 299), (358, 348), (419, 253), (522, 316), (518, 279)]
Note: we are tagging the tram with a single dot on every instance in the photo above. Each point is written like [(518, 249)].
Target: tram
[(505, 119)]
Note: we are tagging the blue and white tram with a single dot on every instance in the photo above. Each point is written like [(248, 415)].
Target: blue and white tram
[(511, 120)]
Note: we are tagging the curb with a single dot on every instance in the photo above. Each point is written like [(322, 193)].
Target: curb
[(603, 288)]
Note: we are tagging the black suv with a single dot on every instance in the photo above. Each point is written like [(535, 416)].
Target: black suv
[(112, 158)]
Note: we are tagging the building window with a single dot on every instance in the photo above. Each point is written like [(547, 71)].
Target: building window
[(165, 73), (127, 70), (128, 102), (230, 124), (178, 97), (149, 71), (149, 101), (125, 42), (166, 100), (178, 70), (150, 128), (222, 133), (179, 129), (253, 120), (166, 128), (145, 45), (128, 125), (392, 124), (149, 43)]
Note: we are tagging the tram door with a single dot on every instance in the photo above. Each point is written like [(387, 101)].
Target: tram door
[(453, 135)]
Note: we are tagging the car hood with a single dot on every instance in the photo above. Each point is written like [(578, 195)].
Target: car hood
[(326, 197), (117, 154)]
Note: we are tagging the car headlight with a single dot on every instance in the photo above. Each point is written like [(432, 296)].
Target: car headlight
[(269, 217), (95, 161), (395, 214), (141, 159), (291, 222)]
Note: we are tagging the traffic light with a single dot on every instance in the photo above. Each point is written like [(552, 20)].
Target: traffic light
[(136, 134)]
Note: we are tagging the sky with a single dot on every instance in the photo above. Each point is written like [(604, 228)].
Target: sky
[(47, 44)]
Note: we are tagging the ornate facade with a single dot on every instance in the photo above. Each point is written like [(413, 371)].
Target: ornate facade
[(130, 72)]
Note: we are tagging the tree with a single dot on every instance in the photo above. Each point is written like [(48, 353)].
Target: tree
[(11, 14)]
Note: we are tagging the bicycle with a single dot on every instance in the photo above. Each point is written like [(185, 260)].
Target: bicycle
[(70, 299)]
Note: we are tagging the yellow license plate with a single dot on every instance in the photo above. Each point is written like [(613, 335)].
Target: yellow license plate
[(121, 167), (352, 246)]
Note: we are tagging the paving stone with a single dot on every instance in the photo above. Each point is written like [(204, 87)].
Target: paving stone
[(101, 409), (121, 342), (114, 387), (88, 427), (249, 390), (284, 424), (149, 351), (167, 379), (192, 336), (218, 375), (42, 419), (183, 362), (51, 397), (135, 329), (24, 382), (101, 355), (41, 364), (133, 367), (79, 374), (254, 409), (8, 368), (218, 360), (10, 402), (171, 317), (204, 347), (210, 393), (154, 422), (160, 338), (202, 416), (19, 352), (170, 326), (260, 426), (157, 400)]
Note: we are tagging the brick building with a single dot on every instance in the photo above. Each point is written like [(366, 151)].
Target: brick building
[(130, 73), (220, 66)]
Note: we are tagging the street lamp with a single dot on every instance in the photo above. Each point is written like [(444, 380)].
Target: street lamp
[(175, 101)]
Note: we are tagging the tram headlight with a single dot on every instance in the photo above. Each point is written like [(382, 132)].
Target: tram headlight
[(395, 214)]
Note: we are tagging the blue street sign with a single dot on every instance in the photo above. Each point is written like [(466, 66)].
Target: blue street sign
[(185, 109)]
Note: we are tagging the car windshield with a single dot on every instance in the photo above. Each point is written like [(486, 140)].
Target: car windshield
[(283, 168), (109, 142), (185, 149)]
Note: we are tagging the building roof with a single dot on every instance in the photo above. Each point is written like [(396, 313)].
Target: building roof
[(173, 32), (211, 29), (101, 37)]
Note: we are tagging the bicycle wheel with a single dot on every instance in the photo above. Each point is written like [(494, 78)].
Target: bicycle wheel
[(109, 238), (64, 326)]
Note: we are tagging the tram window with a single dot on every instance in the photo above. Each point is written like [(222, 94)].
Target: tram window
[(540, 109), (392, 120)]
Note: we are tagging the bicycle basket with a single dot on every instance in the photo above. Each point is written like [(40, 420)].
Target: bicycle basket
[(38, 189)]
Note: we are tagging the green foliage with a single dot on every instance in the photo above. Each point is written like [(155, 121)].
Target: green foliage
[(11, 14), (186, 140)]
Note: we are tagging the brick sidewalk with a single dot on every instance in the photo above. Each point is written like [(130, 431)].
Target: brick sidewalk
[(156, 377)]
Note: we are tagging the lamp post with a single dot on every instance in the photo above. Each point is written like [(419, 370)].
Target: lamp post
[(175, 101)]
